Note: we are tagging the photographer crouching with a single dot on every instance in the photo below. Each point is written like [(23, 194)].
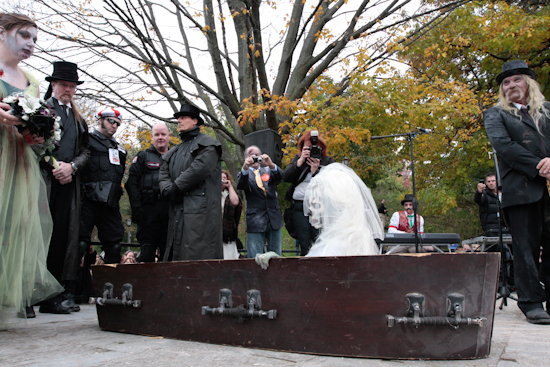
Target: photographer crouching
[(304, 166)]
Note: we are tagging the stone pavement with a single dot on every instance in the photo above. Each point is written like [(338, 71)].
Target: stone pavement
[(76, 340)]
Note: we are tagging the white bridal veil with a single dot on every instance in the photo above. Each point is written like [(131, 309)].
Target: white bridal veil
[(341, 206)]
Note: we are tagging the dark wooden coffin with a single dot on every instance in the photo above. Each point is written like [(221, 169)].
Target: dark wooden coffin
[(395, 306)]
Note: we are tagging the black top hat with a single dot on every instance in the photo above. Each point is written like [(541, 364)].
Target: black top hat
[(408, 197), (191, 111), (515, 67), (64, 70)]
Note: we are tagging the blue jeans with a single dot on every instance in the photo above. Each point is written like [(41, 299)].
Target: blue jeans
[(256, 240)]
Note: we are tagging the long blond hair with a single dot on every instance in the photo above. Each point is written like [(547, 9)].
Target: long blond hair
[(535, 100)]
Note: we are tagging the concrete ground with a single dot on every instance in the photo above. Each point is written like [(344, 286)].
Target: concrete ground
[(76, 340)]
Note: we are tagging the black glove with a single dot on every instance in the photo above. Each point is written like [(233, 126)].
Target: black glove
[(172, 193), (137, 215)]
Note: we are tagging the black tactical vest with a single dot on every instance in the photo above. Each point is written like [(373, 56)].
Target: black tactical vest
[(101, 180), (149, 183)]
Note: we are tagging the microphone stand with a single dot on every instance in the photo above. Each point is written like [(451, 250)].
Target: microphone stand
[(410, 137), (504, 289)]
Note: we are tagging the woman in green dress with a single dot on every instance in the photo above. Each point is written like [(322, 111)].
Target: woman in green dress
[(25, 220)]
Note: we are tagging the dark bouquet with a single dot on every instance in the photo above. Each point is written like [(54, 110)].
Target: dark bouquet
[(37, 118)]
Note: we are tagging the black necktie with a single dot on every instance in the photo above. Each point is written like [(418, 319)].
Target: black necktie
[(525, 112), (64, 109)]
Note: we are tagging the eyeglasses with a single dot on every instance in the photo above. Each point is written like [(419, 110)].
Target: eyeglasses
[(113, 121)]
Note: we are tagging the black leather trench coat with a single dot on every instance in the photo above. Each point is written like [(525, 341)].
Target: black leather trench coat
[(195, 226)]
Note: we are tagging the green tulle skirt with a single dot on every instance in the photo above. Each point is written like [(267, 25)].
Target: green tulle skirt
[(25, 228)]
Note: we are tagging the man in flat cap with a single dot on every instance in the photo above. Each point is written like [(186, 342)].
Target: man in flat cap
[(102, 187), (519, 130), (63, 184), (190, 179)]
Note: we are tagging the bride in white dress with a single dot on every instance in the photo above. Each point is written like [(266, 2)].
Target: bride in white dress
[(342, 207)]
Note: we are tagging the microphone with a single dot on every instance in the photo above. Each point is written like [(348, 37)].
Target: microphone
[(425, 131)]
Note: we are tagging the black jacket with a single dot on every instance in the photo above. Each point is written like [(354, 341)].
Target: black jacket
[(488, 209), (261, 209), (143, 178), (195, 227), (101, 179), (520, 148), (296, 175), (80, 159)]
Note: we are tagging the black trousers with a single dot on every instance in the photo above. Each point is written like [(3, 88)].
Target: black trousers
[(153, 228), (530, 229), (107, 219), (306, 234), (61, 198)]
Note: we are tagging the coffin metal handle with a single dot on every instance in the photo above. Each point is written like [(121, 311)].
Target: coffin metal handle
[(249, 311), (109, 300), (416, 309)]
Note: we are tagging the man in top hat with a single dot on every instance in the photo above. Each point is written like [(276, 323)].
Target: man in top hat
[(519, 130), (190, 180), (63, 184), (102, 187), (149, 211), (403, 222)]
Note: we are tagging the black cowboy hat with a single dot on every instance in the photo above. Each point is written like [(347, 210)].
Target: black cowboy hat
[(64, 70), (191, 111), (515, 67), (407, 198)]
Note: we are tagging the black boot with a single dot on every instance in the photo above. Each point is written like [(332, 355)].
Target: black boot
[(69, 303), (147, 253), (68, 296), (28, 313), (112, 254), (53, 306)]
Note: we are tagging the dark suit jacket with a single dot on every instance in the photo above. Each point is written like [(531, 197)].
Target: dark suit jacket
[(520, 148), (82, 153), (261, 209)]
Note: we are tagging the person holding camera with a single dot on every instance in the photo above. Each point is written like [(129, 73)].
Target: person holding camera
[(303, 167), (258, 179), (487, 199)]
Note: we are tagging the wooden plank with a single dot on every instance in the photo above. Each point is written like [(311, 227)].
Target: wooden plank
[(329, 306)]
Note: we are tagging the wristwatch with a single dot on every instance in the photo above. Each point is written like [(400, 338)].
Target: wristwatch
[(75, 168)]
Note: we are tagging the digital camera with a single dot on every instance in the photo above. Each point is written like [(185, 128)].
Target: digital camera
[(315, 151), (257, 159)]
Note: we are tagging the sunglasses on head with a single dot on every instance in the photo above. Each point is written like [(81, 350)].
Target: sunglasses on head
[(112, 121)]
